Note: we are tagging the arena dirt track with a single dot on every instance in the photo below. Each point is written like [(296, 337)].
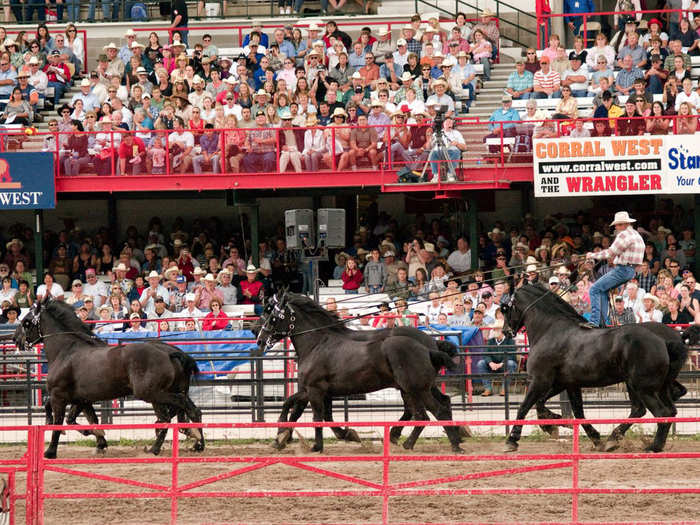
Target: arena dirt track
[(609, 473)]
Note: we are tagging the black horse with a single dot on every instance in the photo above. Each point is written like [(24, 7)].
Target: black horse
[(337, 361), (298, 402), (82, 369), (564, 355)]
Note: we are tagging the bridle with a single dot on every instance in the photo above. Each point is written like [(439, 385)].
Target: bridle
[(533, 303), (279, 312)]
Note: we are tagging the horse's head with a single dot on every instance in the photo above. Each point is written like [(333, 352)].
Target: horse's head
[(691, 336), (512, 317), (276, 321), (29, 331)]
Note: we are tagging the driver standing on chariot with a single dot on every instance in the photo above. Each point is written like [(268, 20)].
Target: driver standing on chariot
[(627, 252)]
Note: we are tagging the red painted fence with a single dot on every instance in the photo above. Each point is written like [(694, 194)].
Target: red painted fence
[(34, 466)]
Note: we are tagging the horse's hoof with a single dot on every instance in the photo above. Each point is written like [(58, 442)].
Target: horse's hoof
[(408, 445), (151, 450), (278, 445), (611, 446), (99, 452), (351, 435), (654, 449), (598, 446), (317, 448), (197, 447), (511, 446), (456, 449), (394, 440), (50, 454)]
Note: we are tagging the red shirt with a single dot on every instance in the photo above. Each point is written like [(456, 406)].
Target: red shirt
[(53, 77), (352, 282), (215, 322), (254, 289), (127, 152)]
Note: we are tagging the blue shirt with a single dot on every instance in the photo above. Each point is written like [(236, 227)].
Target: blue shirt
[(90, 101), (356, 61), (210, 145), (264, 40), (287, 48), (577, 6), (385, 73), (259, 78), (10, 74), (504, 116)]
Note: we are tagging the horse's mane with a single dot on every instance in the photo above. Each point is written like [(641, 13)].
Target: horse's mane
[(548, 302), (326, 320), (64, 314)]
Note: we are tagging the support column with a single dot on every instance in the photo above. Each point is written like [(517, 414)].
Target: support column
[(696, 270), (112, 220), (473, 218), (254, 234), (39, 246)]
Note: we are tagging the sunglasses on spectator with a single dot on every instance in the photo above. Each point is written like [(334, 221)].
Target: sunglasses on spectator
[(530, 52), (72, 31), (65, 112)]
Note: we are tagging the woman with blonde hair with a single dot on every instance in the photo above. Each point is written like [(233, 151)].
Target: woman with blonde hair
[(272, 118), (686, 122), (232, 140), (314, 144)]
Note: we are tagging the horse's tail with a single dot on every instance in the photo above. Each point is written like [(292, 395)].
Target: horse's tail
[(440, 357), (447, 347), (678, 355)]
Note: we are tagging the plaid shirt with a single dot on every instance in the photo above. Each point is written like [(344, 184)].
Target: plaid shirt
[(520, 83), (628, 248), (646, 281), (414, 46)]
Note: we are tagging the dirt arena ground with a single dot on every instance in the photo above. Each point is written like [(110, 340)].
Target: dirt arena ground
[(608, 473)]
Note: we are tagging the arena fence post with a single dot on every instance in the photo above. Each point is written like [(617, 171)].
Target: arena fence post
[(386, 451), (28, 377), (574, 473)]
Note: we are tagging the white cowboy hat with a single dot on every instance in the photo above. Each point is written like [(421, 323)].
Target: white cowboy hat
[(531, 268), (563, 270), (171, 270), (198, 271), (251, 269), (651, 297), (622, 217), (120, 268), (429, 247), (153, 275), (554, 279), (111, 45), (209, 277), (494, 231)]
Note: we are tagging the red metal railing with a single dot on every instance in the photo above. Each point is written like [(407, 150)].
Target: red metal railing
[(36, 467), (541, 18)]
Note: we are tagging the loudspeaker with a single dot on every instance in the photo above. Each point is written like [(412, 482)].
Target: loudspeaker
[(299, 229), (331, 228)]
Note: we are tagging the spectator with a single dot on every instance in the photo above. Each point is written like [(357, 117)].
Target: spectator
[(674, 315), (132, 155), (689, 38), (656, 76), (574, 23), (561, 62), (408, 148), (502, 122), (622, 314), (650, 311), (532, 64), (375, 273), (208, 152), (352, 277), (216, 319), (676, 47), (229, 292), (363, 144), (440, 97), (688, 96), (181, 147), (57, 73), (159, 311), (251, 289), (496, 361), (260, 144), (520, 82), (686, 123), (630, 123), (290, 142), (600, 49), (567, 107), (546, 82), (49, 289), (454, 141), (314, 145), (482, 51), (576, 77), (633, 49)]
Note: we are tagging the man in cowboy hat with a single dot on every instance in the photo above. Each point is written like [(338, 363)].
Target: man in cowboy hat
[(154, 289), (626, 252), (115, 65), (650, 312)]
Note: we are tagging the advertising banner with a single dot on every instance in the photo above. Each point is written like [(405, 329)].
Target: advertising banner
[(639, 165), (27, 181)]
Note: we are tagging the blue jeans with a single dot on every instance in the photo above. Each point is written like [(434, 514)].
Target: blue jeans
[(483, 368), (351, 292), (73, 7), (599, 291), (579, 93), (656, 86), (31, 6), (375, 289), (58, 89), (454, 156), (110, 10)]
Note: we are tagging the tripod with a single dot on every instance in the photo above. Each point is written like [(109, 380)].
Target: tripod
[(446, 170)]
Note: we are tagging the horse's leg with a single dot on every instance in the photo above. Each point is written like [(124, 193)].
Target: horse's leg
[(544, 413), (59, 412), (195, 416), (535, 392), (395, 432), (419, 414), (443, 412), (91, 416), (163, 415), (347, 433), (48, 410), (316, 398), (576, 400), (284, 435), (637, 410), (463, 431), (660, 409)]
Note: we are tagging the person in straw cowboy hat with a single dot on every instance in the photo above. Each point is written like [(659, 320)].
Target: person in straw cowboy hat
[(627, 252)]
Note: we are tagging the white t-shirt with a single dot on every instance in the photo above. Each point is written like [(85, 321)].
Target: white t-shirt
[(693, 98), (432, 312), (185, 139), (97, 291), (56, 291), (235, 110), (7, 295), (655, 315), (460, 262)]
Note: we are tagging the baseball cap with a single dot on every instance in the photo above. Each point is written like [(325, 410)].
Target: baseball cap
[(180, 279), (554, 280)]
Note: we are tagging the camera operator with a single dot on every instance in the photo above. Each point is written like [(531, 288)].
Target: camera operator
[(454, 146)]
